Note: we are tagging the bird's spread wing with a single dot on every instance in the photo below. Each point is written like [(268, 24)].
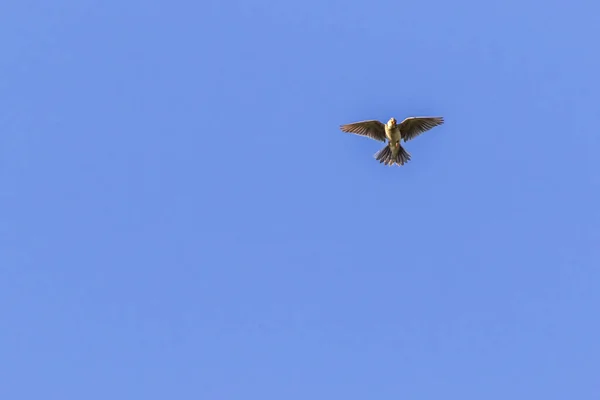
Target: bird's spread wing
[(413, 126), (372, 129)]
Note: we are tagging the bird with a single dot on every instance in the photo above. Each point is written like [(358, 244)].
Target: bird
[(393, 152)]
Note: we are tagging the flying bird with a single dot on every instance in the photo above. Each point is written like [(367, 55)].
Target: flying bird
[(393, 152)]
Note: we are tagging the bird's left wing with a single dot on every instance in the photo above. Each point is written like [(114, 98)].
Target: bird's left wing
[(412, 127), (371, 128)]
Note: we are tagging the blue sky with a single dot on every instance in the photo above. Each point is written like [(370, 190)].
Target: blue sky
[(181, 217)]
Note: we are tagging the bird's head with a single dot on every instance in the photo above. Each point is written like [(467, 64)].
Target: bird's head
[(392, 122)]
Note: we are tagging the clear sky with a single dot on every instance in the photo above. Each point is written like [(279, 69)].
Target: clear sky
[(181, 217)]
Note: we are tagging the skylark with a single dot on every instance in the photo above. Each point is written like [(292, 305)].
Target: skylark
[(393, 152)]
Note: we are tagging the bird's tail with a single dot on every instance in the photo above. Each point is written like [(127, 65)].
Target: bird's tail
[(386, 156)]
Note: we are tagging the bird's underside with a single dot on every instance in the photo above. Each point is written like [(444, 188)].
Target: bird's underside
[(393, 133)]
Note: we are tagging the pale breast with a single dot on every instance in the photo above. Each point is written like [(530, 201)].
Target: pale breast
[(392, 134)]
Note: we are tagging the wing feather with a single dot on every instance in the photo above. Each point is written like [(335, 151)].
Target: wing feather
[(372, 129), (412, 127)]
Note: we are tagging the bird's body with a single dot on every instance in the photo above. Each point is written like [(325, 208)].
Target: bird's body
[(393, 135), (393, 152)]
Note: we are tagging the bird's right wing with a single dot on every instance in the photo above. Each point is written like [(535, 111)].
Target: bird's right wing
[(371, 128)]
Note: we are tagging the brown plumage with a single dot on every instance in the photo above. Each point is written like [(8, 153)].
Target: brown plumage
[(407, 130)]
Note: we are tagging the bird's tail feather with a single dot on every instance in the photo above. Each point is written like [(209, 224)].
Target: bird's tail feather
[(386, 157)]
